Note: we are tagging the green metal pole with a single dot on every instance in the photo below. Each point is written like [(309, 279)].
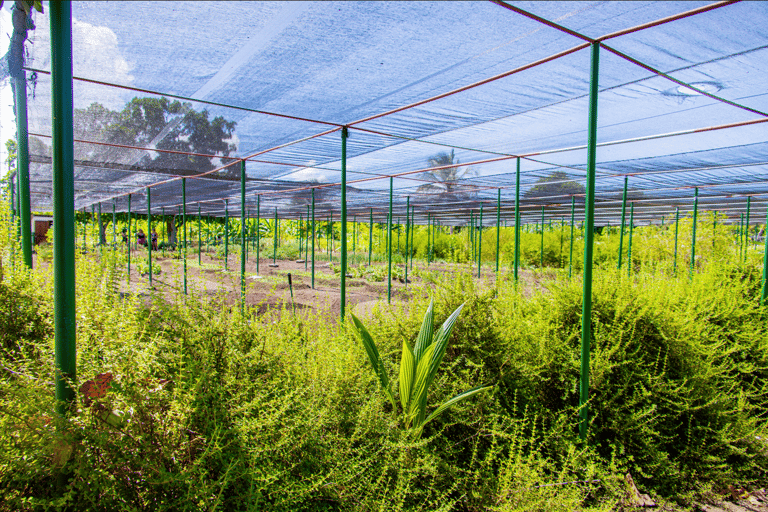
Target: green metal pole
[(623, 213), (586, 316), (570, 254), (480, 242), (98, 223), (258, 230), (184, 225), (413, 232), (313, 238), (226, 234), (693, 231), (517, 219), (149, 234), (498, 230), (746, 229), (407, 234), (344, 135), (199, 237), (370, 237), (306, 255), (274, 243), (541, 247), (129, 239), (242, 236), (631, 229), (64, 311), (114, 222), (22, 166), (389, 245), (764, 293), (677, 226), (85, 223)]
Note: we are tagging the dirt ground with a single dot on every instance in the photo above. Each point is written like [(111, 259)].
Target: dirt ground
[(268, 288)]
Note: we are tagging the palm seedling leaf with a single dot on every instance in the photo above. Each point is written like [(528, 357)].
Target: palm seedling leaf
[(407, 368), (420, 388), (425, 333), (441, 342), (454, 400), (373, 356)]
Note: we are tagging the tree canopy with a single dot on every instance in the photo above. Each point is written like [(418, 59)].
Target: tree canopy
[(155, 123), (446, 180), (556, 183)]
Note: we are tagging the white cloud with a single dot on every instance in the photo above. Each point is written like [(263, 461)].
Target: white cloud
[(307, 174), (96, 55)]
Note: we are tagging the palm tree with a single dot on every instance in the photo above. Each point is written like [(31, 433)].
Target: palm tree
[(445, 179)]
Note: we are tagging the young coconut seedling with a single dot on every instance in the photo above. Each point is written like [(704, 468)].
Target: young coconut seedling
[(417, 370)]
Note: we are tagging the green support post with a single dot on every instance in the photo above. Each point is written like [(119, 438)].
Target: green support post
[(498, 231), (541, 247), (114, 222), (64, 311), (407, 234), (184, 225), (258, 229), (242, 237), (517, 219), (746, 229), (677, 227), (148, 238), (413, 232), (274, 243), (570, 254), (693, 231), (589, 220), (22, 165), (480, 242), (370, 238), (765, 264), (623, 213), (85, 223), (714, 228), (226, 234), (199, 237), (306, 251), (631, 229), (344, 136), (389, 245), (98, 224), (128, 276), (313, 238)]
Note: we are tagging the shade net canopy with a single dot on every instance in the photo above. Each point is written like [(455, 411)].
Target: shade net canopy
[(441, 99)]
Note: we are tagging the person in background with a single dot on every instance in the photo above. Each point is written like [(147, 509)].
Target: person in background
[(154, 239), (141, 238)]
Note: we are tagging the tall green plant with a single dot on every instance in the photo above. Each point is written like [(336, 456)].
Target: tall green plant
[(418, 368)]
